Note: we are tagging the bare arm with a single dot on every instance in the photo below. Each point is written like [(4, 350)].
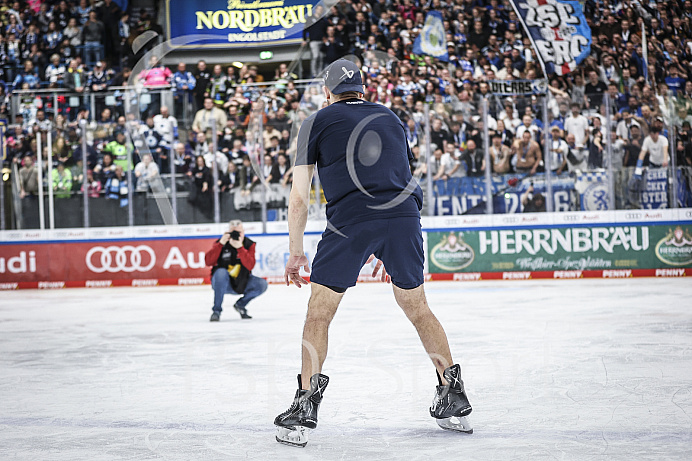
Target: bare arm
[(457, 164), (643, 152), (525, 196), (440, 172), (557, 91), (298, 207), (563, 165), (538, 156), (297, 218)]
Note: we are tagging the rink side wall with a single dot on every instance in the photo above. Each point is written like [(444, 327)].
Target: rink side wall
[(618, 244)]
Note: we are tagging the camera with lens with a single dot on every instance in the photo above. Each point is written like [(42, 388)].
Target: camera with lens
[(235, 235)]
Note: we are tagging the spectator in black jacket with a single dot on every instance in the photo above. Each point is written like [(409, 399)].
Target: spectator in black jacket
[(201, 187), (109, 14), (594, 90), (474, 160), (201, 89), (93, 37), (98, 82), (332, 46), (62, 15)]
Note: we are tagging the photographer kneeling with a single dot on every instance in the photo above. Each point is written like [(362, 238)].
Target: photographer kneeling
[(233, 258)]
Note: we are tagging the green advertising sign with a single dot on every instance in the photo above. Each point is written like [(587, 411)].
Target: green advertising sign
[(578, 248)]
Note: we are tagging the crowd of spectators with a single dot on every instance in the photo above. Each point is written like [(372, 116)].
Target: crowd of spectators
[(485, 42)]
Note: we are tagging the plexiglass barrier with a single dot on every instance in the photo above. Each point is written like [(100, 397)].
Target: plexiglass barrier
[(89, 160)]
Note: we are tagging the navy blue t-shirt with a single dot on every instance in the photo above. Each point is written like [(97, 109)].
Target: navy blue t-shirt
[(362, 157)]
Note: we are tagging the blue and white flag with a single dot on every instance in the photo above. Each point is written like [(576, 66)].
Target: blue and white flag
[(558, 31), (593, 190), (431, 40), (655, 193)]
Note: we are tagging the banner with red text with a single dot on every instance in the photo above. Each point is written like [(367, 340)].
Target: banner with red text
[(133, 262)]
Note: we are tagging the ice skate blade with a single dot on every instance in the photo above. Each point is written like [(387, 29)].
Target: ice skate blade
[(458, 424), (295, 436)]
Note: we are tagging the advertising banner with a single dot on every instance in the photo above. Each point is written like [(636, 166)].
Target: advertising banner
[(105, 263), (515, 87), (560, 249), (141, 262), (236, 23), (517, 247)]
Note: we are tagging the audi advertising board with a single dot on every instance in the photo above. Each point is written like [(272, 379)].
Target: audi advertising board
[(138, 262), (104, 263)]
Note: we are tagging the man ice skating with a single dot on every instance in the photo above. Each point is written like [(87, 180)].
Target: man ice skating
[(233, 258), (373, 208)]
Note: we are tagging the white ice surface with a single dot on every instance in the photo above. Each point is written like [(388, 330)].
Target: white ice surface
[(574, 370)]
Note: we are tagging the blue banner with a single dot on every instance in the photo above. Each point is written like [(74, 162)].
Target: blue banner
[(236, 23), (593, 190), (655, 194), (457, 196), (558, 30), (432, 39)]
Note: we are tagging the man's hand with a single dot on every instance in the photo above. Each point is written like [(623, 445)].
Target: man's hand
[(292, 272), (384, 277), (225, 238), (236, 243)]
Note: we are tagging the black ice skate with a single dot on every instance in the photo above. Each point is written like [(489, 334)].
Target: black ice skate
[(293, 424), (215, 316), (450, 406), (242, 311)]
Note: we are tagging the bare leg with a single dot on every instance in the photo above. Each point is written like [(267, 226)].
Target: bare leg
[(321, 309), (431, 333)]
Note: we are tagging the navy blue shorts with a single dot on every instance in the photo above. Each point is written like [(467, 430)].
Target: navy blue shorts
[(398, 242)]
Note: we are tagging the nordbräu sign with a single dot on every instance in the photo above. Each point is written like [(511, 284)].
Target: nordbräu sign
[(225, 23)]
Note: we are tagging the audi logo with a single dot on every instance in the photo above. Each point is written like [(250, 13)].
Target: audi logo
[(633, 215), (570, 218), (120, 259)]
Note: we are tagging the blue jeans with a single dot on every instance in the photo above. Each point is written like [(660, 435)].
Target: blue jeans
[(93, 51), (221, 284)]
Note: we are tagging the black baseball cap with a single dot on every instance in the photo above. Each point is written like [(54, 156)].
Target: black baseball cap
[(342, 76)]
